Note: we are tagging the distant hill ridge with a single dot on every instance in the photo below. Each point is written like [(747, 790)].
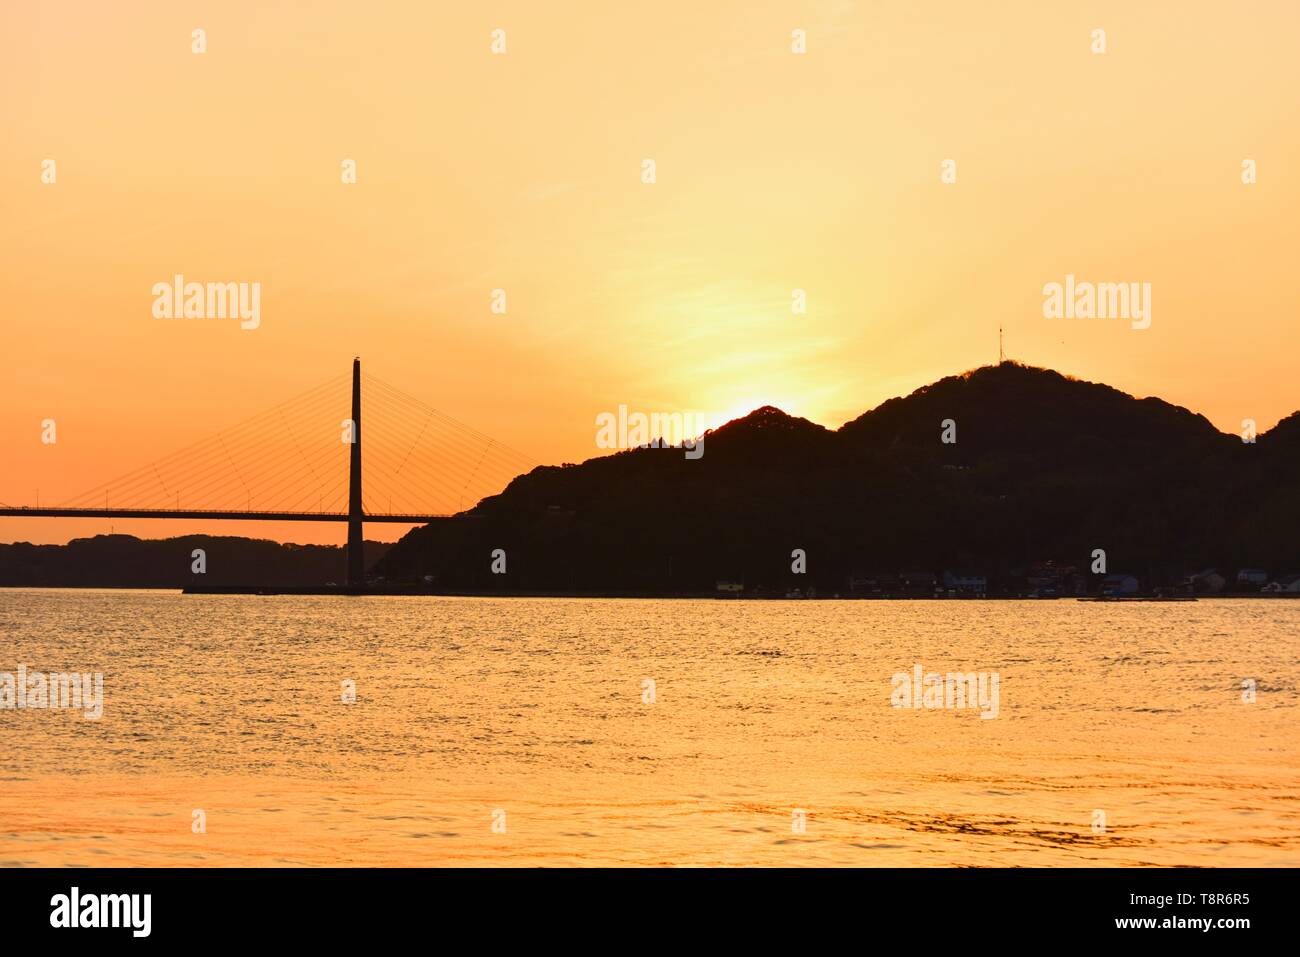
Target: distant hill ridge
[(124, 561), (1044, 467)]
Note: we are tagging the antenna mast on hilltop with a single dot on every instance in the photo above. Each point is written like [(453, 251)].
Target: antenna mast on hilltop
[(1002, 356)]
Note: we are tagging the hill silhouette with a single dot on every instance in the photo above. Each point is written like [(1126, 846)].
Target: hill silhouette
[(124, 561), (1044, 468)]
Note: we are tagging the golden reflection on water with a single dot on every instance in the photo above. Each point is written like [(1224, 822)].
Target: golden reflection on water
[(470, 707)]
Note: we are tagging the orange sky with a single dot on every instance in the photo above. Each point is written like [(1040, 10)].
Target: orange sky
[(522, 171)]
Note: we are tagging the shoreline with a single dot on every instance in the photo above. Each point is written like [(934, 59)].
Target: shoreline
[(290, 590)]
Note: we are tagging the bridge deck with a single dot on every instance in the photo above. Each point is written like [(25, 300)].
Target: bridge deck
[(400, 519)]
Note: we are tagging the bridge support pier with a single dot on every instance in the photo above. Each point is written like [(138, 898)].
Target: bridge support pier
[(356, 542)]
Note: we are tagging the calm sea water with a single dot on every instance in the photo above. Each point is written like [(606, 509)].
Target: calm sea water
[(770, 739)]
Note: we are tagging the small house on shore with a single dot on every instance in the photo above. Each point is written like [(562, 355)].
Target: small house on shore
[(965, 584), (1207, 582), (1284, 585), (1252, 576), (1118, 584)]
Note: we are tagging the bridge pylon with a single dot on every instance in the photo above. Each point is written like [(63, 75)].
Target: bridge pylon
[(356, 541)]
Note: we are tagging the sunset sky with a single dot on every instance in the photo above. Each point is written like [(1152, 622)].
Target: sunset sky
[(523, 171)]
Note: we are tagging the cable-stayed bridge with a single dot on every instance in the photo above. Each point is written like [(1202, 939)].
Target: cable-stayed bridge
[(302, 461)]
